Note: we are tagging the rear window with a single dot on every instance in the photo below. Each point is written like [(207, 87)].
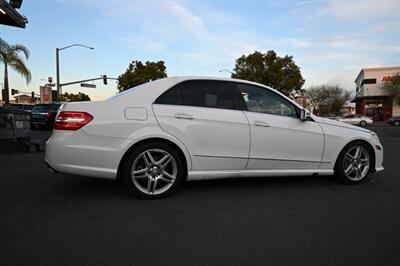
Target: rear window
[(42, 107)]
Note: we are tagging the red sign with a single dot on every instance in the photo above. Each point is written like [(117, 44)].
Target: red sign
[(390, 78)]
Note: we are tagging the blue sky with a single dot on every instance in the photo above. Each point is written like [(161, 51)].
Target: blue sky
[(330, 40)]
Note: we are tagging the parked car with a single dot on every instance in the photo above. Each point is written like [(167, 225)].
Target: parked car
[(20, 106), (334, 116), (161, 133), (394, 121), (43, 115), (356, 120)]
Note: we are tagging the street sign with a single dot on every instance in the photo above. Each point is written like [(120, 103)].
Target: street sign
[(87, 85)]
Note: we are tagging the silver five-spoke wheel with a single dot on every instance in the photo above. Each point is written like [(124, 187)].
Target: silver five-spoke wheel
[(154, 171), (356, 163)]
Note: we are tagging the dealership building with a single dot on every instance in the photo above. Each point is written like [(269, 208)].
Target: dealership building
[(371, 100)]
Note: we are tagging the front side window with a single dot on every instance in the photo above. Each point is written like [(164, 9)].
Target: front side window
[(201, 93), (262, 100)]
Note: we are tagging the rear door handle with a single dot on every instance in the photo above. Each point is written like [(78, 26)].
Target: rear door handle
[(183, 116), (261, 123)]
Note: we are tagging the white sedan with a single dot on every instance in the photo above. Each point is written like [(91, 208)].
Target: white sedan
[(360, 120), (161, 133)]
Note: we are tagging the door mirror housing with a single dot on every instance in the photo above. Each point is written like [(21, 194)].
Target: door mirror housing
[(304, 114)]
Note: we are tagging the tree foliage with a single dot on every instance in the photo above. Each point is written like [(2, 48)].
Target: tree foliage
[(392, 87), (138, 73), (70, 97), (10, 56), (327, 98), (280, 73)]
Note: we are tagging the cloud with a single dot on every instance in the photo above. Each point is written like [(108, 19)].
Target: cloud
[(361, 10)]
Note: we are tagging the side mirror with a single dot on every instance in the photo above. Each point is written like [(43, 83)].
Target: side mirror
[(304, 114)]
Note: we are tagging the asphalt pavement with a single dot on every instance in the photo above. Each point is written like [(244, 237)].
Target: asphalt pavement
[(60, 219)]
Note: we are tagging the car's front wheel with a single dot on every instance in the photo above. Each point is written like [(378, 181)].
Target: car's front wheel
[(153, 170), (363, 123), (354, 163)]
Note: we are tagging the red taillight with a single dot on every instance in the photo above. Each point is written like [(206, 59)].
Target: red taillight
[(48, 114), (72, 120)]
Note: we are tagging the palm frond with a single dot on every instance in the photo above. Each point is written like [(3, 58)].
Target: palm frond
[(19, 66), (20, 48)]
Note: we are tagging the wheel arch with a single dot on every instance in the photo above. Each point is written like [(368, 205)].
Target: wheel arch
[(369, 146), (186, 159)]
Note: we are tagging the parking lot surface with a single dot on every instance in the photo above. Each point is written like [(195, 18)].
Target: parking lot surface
[(48, 219)]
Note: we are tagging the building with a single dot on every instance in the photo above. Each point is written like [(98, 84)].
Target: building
[(371, 100), (348, 108), (24, 98)]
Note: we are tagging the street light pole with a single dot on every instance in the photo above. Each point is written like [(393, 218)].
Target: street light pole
[(58, 74), (226, 70), (58, 66)]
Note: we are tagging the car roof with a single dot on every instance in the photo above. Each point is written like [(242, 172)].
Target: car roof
[(151, 90)]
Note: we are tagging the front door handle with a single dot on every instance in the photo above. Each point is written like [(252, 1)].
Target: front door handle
[(183, 116), (261, 123)]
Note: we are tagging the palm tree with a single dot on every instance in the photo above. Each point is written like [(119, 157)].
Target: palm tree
[(10, 56)]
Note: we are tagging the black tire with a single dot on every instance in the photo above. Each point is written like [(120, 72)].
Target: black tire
[(396, 123), (340, 163), (126, 170), (363, 123)]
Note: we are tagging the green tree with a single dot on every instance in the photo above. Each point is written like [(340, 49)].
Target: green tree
[(79, 97), (10, 55), (280, 73), (392, 86), (138, 73), (327, 98)]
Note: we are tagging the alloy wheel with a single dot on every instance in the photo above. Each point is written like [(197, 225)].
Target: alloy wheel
[(356, 163), (154, 171)]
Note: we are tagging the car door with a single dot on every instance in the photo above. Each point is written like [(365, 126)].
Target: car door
[(279, 139), (205, 117)]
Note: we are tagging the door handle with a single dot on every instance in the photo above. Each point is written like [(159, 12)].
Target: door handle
[(261, 123), (183, 116)]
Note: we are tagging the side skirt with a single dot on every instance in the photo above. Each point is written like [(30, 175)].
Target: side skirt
[(217, 174)]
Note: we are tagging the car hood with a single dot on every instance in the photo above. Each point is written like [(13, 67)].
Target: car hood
[(331, 122)]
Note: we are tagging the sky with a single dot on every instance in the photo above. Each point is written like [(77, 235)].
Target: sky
[(329, 40)]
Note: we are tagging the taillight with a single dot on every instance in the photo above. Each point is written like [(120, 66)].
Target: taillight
[(48, 114), (72, 120)]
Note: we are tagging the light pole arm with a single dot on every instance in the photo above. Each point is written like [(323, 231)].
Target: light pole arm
[(76, 44)]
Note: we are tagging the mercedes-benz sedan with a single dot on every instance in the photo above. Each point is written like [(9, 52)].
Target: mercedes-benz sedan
[(161, 133)]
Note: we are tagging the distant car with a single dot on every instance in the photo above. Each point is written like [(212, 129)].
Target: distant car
[(23, 107), (43, 115), (334, 116), (394, 121), (360, 120)]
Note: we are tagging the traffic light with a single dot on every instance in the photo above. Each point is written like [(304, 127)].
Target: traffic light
[(105, 79), (33, 95), (13, 91)]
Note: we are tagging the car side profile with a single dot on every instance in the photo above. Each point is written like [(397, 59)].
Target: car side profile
[(359, 120), (158, 134)]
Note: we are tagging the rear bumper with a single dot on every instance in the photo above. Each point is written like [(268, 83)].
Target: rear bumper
[(76, 152)]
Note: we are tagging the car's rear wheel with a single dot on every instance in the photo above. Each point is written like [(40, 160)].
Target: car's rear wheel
[(153, 170), (354, 163), (363, 123)]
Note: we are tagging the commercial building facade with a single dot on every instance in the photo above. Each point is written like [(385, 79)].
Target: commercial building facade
[(371, 100)]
